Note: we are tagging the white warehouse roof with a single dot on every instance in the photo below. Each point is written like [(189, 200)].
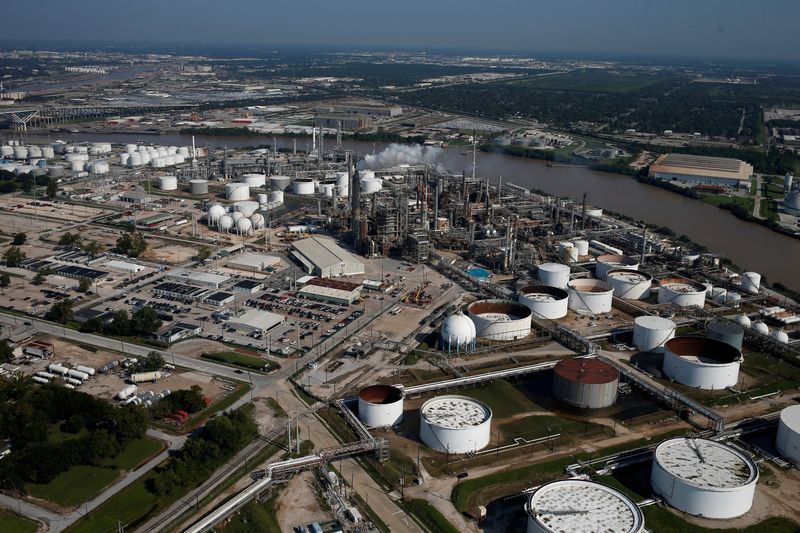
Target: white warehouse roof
[(253, 261), (257, 320), (195, 277), (324, 257)]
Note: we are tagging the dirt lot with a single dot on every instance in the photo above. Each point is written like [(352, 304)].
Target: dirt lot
[(173, 254), (42, 208), (297, 504)]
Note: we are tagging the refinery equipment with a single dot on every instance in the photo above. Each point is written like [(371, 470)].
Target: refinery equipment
[(303, 186), (380, 406), (704, 477), (244, 226), (751, 282), (455, 424), (702, 362), (585, 383), (788, 439), (590, 296), (651, 333), (500, 320), (279, 183), (548, 302), (458, 333), (215, 211)]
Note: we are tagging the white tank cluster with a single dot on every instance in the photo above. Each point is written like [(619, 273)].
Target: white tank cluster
[(380, 406), (651, 333), (548, 302), (702, 362), (455, 424), (608, 262), (243, 220), (458, 333), (155, 156), (682, 292), (500, 320), (704, 478), (577, 505), (788, 439), (630, 284), (553, 274), (168, 183), (590, 296)]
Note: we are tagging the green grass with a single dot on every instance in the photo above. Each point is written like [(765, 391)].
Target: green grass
[(504, 399), (427, 514), (255, 517), (11, 523), (536, 426), (591, 81), (136, 453), (129, 506), (721, 199), (244, 361)]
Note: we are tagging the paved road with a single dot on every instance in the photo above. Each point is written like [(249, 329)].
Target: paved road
[(757, 203)]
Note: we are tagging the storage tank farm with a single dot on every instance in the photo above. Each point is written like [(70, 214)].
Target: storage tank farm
[(380, 405), (581, 506), (548, 302), (585, 382), (455, 424), (704, 477), (787, 440), (681, 292), (702, 362), (500, 320), (590, 296), (651, 333)]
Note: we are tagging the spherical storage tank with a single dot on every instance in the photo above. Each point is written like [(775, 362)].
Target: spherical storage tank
[(244, 226), (549, 302), (167, 183), (279, 183), (651, 333), (743, 320), (788, 438), (702, 362), (553, 274), (225, 223), (258, 220), (682, 292), (237, 216), (455, 424), (704, 478), (761, 328), (457, 333), (581, 506), (726, 331), (214, 212), (380, 406), (590, 296), (630, 284), (585, 383), (198, 186), (246, 207), (614, 262), (500, 320), (254, 180), (237, 191), (780, 336)]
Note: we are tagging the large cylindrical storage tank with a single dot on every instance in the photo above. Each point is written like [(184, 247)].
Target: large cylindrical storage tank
[(500, 320), (704, 478), (590, 296), (455, 424), (48, 152), (237, 191), (630, 284), (124, 158), (198, 186), (577, 505), (726, 331), (135, 160), (582, 246), (458, 333), (254, 180), (246, 207), (651, 333), (279, 183), (304, 186), (168, 183), (328, 189), (263, 198), (682, 292), (788, 439), (20, 152), (586, 383), (614, 262), (380, 406), (702, 362), (370, 185), (342, 184), (553, 274), (751, 281), (276, 197), (549, 302)]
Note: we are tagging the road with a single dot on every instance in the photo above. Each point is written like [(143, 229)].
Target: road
[(757, 204)]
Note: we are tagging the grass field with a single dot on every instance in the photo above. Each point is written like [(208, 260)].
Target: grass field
[(720, 199), (502, 397), (588, 81), (427, 514), (255, 517), (244, 361), (11, 523)]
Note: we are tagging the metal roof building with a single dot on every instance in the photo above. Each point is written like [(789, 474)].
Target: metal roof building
[(253, 262), (197, 278), (329, 290), (702, 170), (323, 257), (261, 321)]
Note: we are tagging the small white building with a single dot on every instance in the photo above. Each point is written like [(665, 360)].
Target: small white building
[(253, 262)]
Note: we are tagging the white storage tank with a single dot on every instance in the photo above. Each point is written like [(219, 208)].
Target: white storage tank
[(254, 180), (124, 158), (651, 333), (704, 478), (127, 392), (237, 191), (630, 284), (701, 362), (458, 333), (726, 331), (276, 197), (751, 281), (455, 424), (614, 262), (581, 506), (743, 320), (553, 274), (244, 226), (590, 296), (58, 369), (135, 160), (198, 186), (585, 382), (257, 220), (263, 198), (582, 246), (681, 292), (549, 302), (225, 223), (237, 216), (303, 186), (370, 185), (328, 189), (761, 328), (85, 369), (279, 183), (246, 207), (380, 406), (500, 320), (77, 374), (780, 336), (168, 183), (788, 438)]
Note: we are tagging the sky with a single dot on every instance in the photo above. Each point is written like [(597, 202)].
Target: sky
[(725, 29)]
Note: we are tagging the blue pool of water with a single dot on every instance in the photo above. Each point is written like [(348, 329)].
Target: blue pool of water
[(479, 273)]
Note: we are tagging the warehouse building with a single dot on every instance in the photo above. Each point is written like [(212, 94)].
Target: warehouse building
[(178, 291), (256, 321), (179, 331), (248, 285), (369, 109), (253, 262), (702, 170), (346, 122), (332, 291), (323, 257), (201, 279), (219, 299)]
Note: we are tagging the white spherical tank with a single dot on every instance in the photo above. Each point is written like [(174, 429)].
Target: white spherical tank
[(246, 207), (651, 333), (237, 216), (167, 183), (630, 284), (780, 336), (590, 296), (500, 320), (614, 262), (553, 274), (215, 211), (681, 292), (743, 320), (704, 478), (458, 333), (751, 281), (380, 406), (788, 439), (577, 505), (303, 186), (254, 180), (702, 362), (549, 302), (279, 183), (258, 220), (225, 223), (237, 191), (761, 328), (244, 226), (455, 424), (582, 246)]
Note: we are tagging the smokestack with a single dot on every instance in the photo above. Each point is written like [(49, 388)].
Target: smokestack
[(355, 197)]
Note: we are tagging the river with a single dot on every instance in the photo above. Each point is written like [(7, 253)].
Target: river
[(748, 245)]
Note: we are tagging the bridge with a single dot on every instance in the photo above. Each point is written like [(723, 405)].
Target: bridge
[(43, 116)]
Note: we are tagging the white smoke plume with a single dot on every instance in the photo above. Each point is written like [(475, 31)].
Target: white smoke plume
[(401, 154)]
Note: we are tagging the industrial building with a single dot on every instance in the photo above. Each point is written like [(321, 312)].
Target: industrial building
[(179, 331), (219, 298), (248, 285), (323, 257), (329, 290), (695, 169), (201, 279), (256, 321), (369, 109), (253, 262), (178, 291), (345, 122)]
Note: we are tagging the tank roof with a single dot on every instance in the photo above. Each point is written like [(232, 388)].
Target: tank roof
[(554, 267), (381, 394), (790, 417), (654, 322), (543, 293), (590, 285), (585, 370), (703, 350), (633, 276), (706, 464), (580, 506), (455, 412), (682, 285), (615, 259), (499, 309), (725, 326)]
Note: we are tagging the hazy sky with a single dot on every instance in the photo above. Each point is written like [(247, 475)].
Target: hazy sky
[(699, 28)]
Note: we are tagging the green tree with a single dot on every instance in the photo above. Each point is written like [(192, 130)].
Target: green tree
[(6, 353), (39, 278), (132, 244), (69, 239), (19, 239), (84, 285), (5, 280), (120, 323), (154, 361), (93, 325), (60, 312), (145, 321), (13, 256), (203, 253), (52, 188), (93, 248)]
